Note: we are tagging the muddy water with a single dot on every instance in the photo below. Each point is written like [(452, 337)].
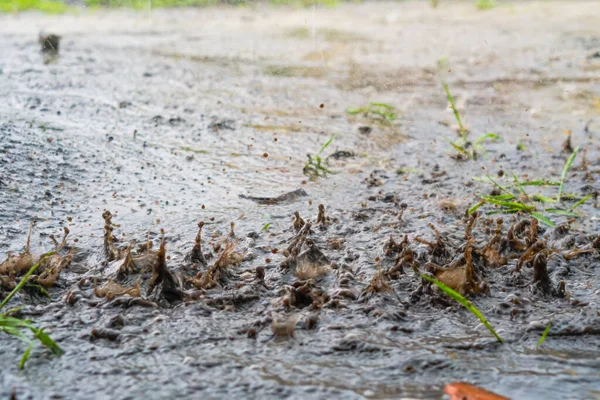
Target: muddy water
[(166, 118)]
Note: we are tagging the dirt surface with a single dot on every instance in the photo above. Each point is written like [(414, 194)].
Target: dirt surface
[(172, 117)]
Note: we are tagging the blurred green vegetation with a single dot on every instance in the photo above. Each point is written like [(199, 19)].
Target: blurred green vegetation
[(58, 6), (306, 3), (46, 6), (142, 4), (483, 5)]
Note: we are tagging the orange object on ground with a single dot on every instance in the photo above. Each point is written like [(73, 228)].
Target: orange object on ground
[(465, 391)]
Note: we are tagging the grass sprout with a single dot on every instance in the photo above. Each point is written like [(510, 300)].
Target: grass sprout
[(514, 198), (535, 182), (466, 149), (540, 182), (565, 170), (560, 211), (580, 202), (15, 326), (544, 334), (314, 168), (465, 303), (543, 199), (455, 111), (376, 111), (543, 219), (477, 143)]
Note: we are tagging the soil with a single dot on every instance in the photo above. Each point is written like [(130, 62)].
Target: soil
[(167, 118)]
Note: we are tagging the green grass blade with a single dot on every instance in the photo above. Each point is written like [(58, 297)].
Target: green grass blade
[(540, 182), (6, 321), (568, 196), (24, 280), (11, 311), (476, 207), (13, 326), (384, 111), (355, 111), (543, 338), (265, 227), (543, 199), (459, 148), (454, 110), (47, 341), (560, 211), (543, 219), (505, 211), (519, 186), (466, 303), (382, 105), (26, 355), (327, 143), (568, 164), (487, 136), (580, 202), (387, 115), (502, 188), (16, 333), (501, 197), (35, 287), (509, 204)]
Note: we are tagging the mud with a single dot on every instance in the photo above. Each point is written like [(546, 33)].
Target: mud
[(171, 117)]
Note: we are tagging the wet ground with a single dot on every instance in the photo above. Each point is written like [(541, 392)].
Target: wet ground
[(165, 118)]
